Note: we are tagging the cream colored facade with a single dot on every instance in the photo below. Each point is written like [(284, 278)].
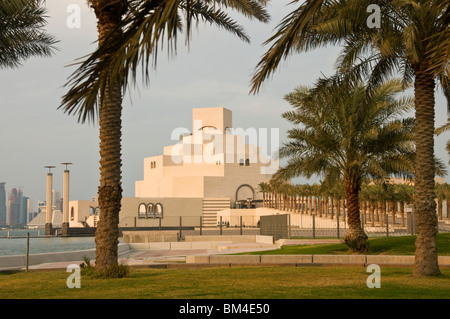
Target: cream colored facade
[(210, 162)]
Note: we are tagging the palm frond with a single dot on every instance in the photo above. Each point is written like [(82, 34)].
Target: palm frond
[(22, 33), (145, 28)]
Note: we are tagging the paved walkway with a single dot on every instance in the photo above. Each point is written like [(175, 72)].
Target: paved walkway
[(159, 257)]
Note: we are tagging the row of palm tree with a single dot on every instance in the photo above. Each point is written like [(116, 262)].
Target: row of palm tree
[(377, 201)]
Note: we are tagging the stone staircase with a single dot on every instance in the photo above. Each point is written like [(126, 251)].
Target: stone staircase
[(210, 208)]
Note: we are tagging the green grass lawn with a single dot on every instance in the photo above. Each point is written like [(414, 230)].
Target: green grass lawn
[(235, 282), (283, 282), (403, 245)]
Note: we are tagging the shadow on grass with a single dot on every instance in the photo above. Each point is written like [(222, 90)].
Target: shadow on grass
[(401, 245)]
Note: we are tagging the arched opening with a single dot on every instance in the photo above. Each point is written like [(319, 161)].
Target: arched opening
[(142, 210), (158, 210), (245, 192)]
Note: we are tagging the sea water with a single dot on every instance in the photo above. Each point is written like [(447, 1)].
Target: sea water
[(39, 245)]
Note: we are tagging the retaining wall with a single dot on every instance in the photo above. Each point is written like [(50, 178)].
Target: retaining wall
[(362, 260), (203, 242)]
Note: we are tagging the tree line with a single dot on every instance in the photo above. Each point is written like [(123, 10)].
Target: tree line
[(377, 201)]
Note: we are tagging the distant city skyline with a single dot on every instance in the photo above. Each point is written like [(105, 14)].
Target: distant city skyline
[(3, 208), (214, 71)]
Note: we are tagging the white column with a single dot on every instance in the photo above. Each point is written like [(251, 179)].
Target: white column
[(48, 216), (66, 196)]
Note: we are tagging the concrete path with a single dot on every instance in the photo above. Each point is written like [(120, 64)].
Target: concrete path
[(159, 257)]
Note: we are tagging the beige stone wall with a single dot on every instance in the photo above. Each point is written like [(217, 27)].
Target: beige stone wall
[(190, 209), (81, 209), (218, 117)]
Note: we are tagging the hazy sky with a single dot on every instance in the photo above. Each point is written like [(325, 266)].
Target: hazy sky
[(215, 71)]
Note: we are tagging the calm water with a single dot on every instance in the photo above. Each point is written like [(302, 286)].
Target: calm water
[(18, 246)]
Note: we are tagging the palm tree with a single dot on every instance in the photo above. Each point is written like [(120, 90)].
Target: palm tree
[(129, 33), (413, 39), (404, 194), (343, 135), (264, 188), (369, 193), (442, 129), (21, 32), (442, 194)]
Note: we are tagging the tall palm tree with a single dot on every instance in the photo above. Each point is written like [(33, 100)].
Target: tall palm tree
[(129, 34), (22, 33), (341, 134), (413, 39)]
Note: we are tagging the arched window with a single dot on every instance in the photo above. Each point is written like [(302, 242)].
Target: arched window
[(150, 210), (142, 210), (72, 213), (91, 210), (158, 210), (97, 211), (241, 162), (247, 162)]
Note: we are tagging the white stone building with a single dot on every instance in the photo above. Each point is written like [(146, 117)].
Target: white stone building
[(211, 168)]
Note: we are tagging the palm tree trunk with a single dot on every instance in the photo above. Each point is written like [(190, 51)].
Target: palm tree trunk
[(402, 213), (378, 212), (110, 189), (332, 207), (439, 209), (355, 238), (426, 259), (372, 214), (309, 205), (394, 212)]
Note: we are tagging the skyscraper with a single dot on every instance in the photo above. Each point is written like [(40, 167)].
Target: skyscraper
[(15, 213), (2, 204), (24, 210)]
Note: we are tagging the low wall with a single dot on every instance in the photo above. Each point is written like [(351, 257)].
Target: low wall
[(150, 236), (232, 238), (19, 261), (361, 260), (202, 242), (175, 245)]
